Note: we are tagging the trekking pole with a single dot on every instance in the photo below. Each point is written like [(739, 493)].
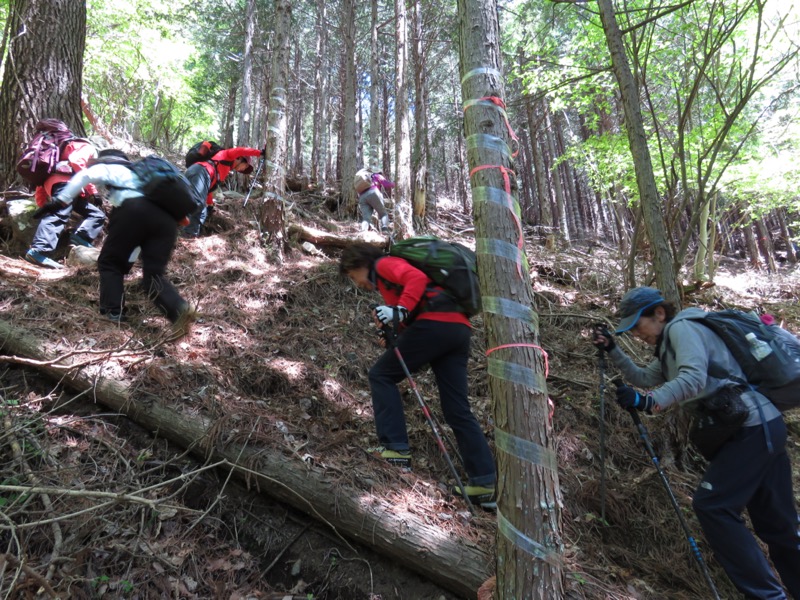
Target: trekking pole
[(255, 178), (601, 363), (390, 336), (645, 436)]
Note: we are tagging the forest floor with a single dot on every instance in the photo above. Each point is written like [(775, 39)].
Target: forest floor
[(281, 352)]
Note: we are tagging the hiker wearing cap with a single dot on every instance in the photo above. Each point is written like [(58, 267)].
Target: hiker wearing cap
[(748, 465), (73, 156), (136, 227), (440, 338), (206, 175), (369, 186)]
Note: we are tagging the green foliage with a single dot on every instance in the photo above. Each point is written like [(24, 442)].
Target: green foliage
[(768, 174), (134, 75), (712, 77)]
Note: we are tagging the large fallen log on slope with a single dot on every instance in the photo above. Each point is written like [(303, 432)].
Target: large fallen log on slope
[(452, 563)]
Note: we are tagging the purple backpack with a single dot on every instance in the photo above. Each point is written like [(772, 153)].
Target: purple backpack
[(43, 152)]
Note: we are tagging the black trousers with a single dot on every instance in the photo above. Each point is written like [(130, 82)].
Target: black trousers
[(139, 222)]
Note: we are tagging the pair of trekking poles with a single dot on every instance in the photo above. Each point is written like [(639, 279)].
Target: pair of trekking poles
[(389, 334), (644, 435)]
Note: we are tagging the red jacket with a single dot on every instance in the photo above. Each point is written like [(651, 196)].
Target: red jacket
[(400, 284), (218, 170)]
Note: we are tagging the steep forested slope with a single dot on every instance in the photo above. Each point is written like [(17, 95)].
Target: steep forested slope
[(275, 371)]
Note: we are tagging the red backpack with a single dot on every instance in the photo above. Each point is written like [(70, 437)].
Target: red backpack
[(41, 156)]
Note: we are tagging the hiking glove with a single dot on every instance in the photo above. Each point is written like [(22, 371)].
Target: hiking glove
[(601, 330), (263, 152), (628, 398), (389, 315), (48, 208)]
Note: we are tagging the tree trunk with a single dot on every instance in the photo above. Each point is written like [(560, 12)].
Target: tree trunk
[(297, 110), (786, 236), (274, 219), (320, 97), (561, 208), (386, 145), (457, 566), (529, 543), (703, 250), (765, 246), (43, 73), (349, 136), (245, 114), (663, 261), (374, 90), (542, 188), (230, 112), (319, 94), (403, 224), (460, 171), (420, 153)]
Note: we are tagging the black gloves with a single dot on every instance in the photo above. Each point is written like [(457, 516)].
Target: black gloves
[(628, 398), (48, 208), (263, 152), (602, 337)]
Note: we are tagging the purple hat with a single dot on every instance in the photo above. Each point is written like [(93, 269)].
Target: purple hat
[(633, 303)]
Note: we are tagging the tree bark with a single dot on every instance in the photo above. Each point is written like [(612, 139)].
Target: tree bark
[(43, 73), (245, 114), (455, 565), (349, 136), (420, 157), (403, 222), (274, 218), (319, 140), (297, 110), (374, 89), (529, 543)]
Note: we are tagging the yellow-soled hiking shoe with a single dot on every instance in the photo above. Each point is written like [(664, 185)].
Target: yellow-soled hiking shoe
[(485, 497), (397, 458)]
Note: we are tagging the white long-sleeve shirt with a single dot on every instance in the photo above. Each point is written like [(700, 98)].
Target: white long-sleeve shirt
[(119, 182)]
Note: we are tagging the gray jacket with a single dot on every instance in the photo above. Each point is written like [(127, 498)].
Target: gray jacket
[(679, 373)]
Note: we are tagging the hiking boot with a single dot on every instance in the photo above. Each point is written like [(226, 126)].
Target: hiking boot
[(37, 258), (115, 317), (397, 458), (183, 324), (485, 497), (78, 240)]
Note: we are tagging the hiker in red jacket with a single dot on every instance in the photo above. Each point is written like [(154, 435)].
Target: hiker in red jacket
[(205, 176), (432, 331), (75, 154)]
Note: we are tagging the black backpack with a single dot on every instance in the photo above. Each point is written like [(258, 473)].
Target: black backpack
[(450, 265), (777, 375), (200, 152), (163, 184)]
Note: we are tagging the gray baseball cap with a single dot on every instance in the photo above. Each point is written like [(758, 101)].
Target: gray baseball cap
[(633, 303)]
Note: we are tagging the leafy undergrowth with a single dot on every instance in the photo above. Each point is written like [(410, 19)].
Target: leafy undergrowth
[(279, 357)]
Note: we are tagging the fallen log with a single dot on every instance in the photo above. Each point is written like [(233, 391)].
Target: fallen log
[(437, 555), (325, 238)]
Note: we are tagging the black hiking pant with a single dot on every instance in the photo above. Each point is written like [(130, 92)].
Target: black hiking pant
[(139, 223), (746, 475)]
